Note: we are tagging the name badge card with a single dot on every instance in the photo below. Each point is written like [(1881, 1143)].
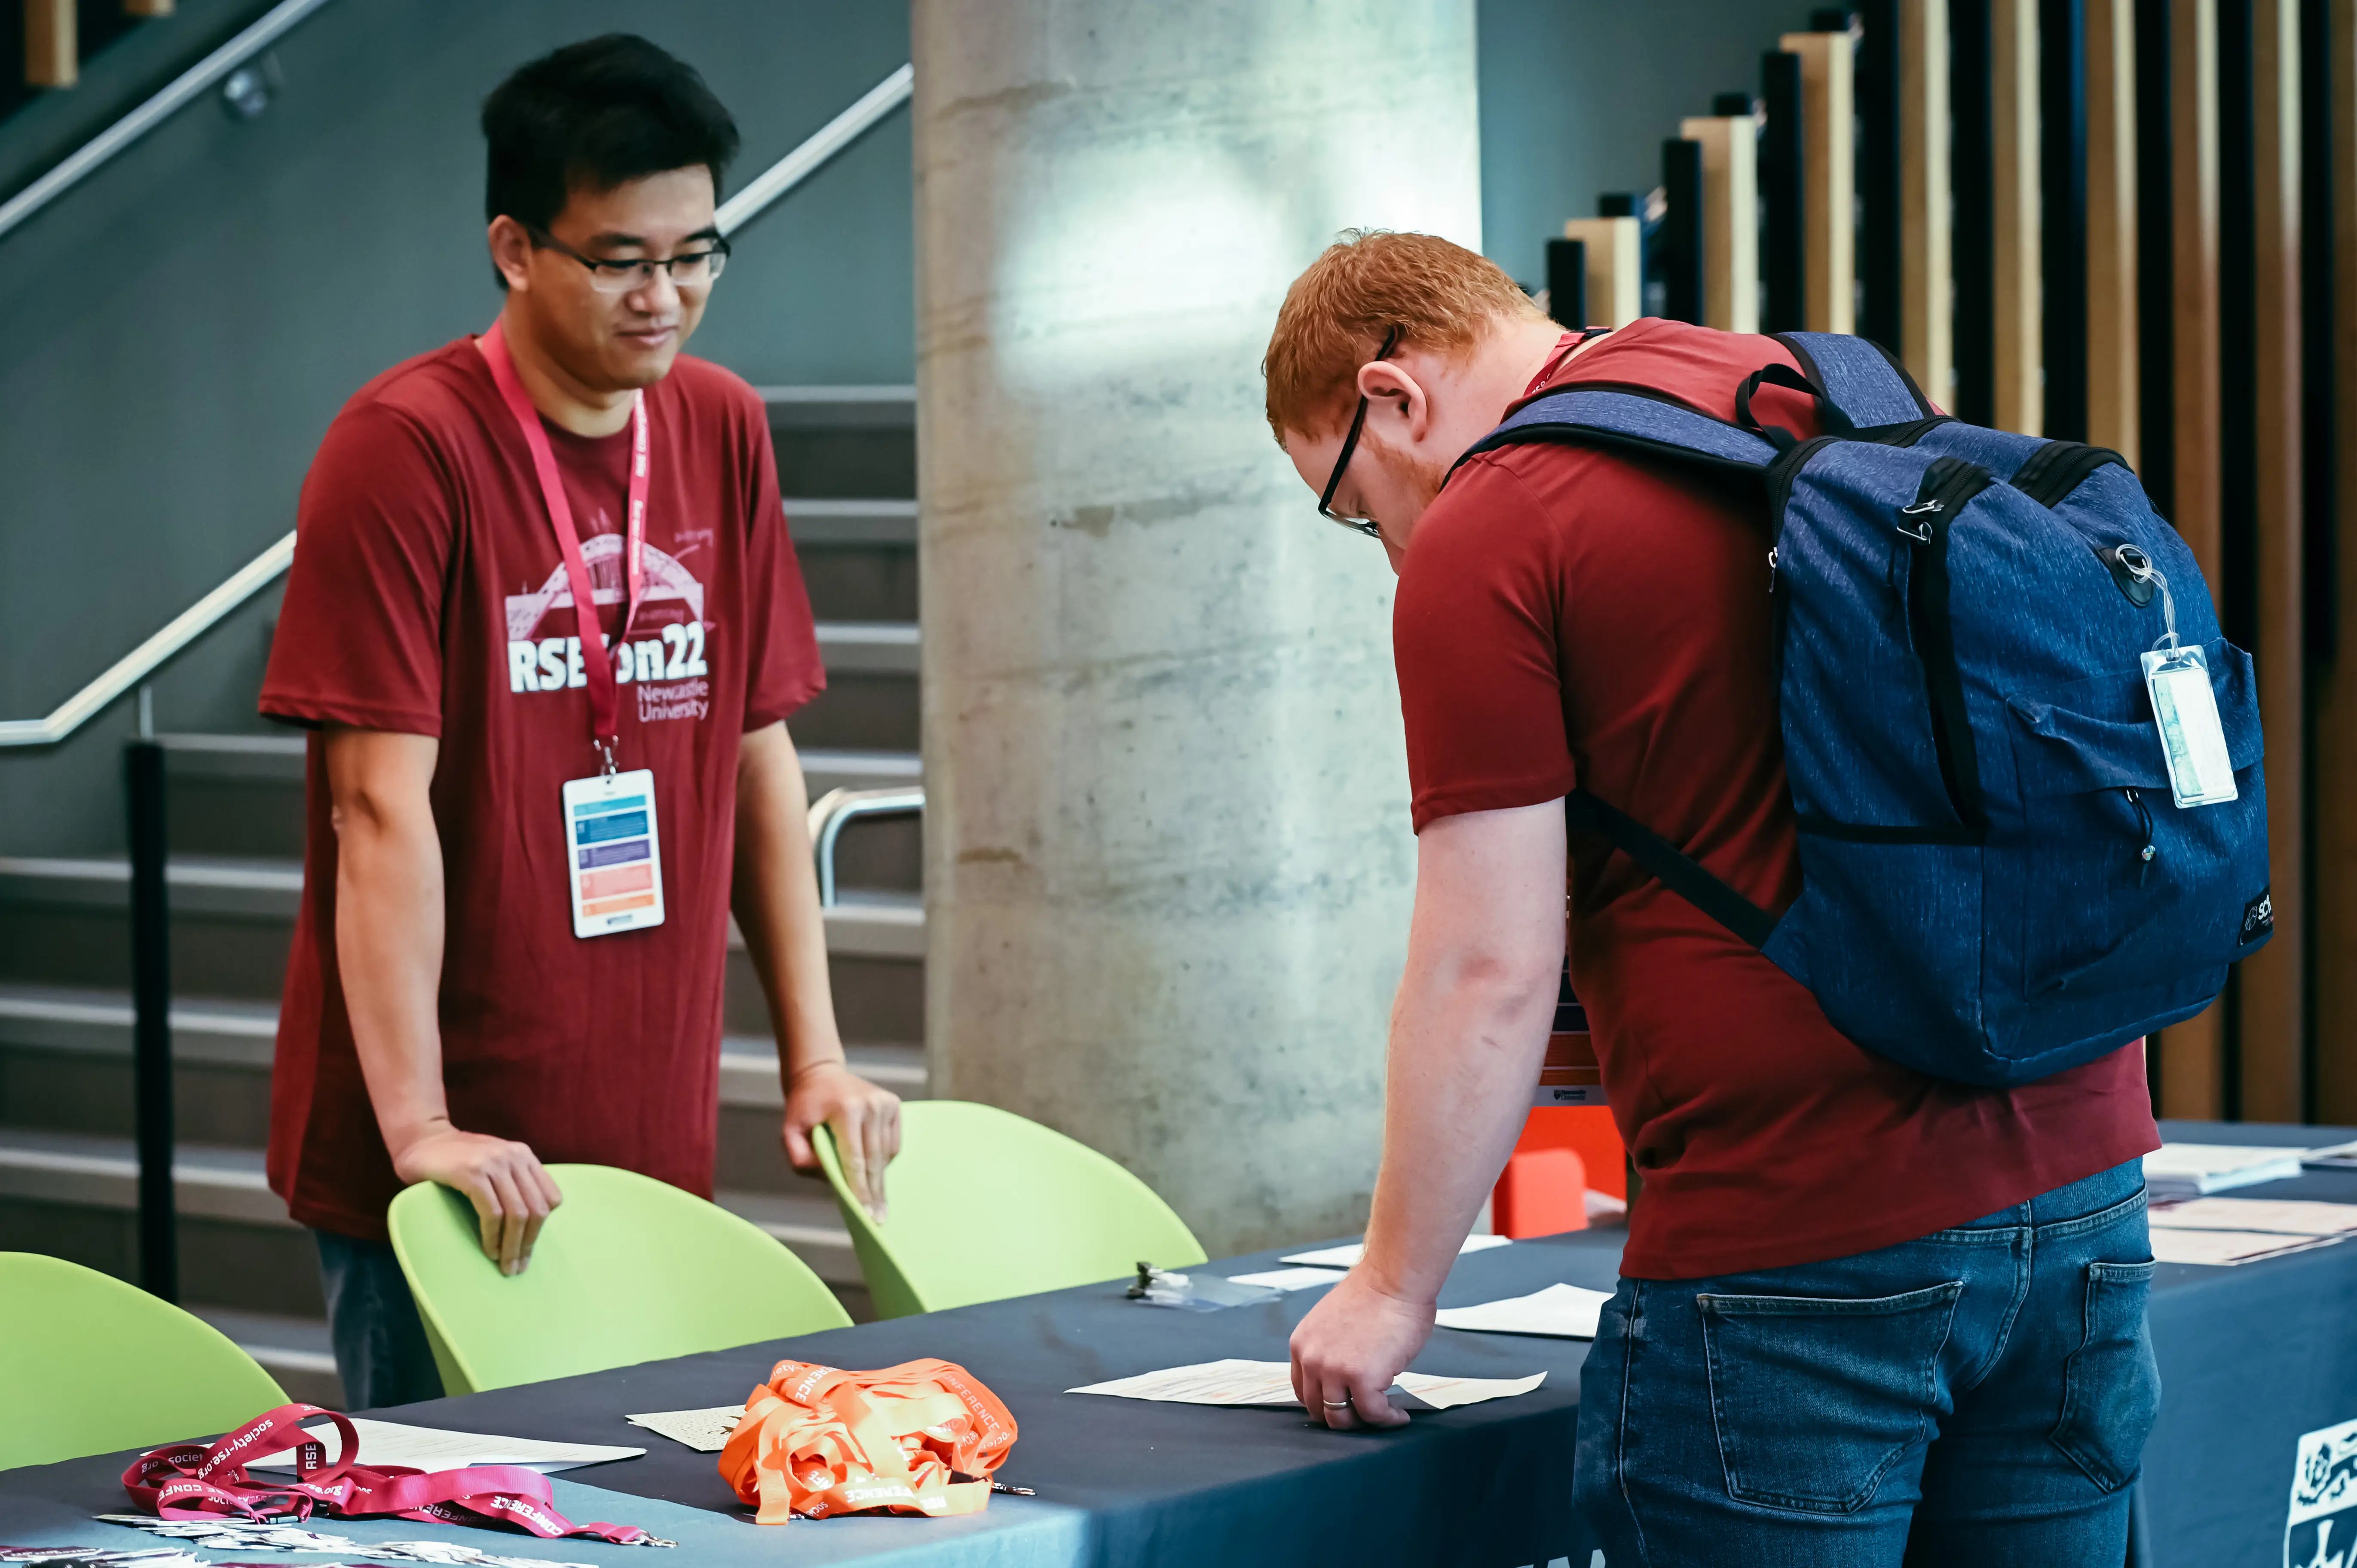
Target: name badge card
[(2184, 711), (617, 866)]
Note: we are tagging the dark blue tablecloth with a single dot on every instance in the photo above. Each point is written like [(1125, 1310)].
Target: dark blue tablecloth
[(2253, 1356)]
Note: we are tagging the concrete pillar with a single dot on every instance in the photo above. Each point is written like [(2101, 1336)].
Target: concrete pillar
[(1168, 862)]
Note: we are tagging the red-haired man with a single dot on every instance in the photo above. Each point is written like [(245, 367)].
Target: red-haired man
[(1864, 1315)]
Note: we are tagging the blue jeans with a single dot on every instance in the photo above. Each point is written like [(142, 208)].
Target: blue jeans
[(1979, 1396), (380, 1343)]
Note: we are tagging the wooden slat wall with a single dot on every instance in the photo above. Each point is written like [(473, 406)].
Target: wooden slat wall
[(1829, 185), (2274, 1013), (1927, 330), (2013, 81), (2336, 697), (146, 8), (1731, 218), (1615, 271), (51, 48), (2193, 1054), (2113, 370)]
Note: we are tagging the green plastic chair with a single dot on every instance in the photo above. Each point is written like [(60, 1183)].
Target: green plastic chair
[(90, 1365), (983, 1205), (628, 1269)]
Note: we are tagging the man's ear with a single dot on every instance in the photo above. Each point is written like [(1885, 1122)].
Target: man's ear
[(510, 246), (1391, 390)]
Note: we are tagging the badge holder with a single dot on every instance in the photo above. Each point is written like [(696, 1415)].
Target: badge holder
[(2184, 706), (612, 853)]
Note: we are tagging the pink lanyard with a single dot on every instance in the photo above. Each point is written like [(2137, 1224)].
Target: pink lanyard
[(605, 708), (189, 1480)]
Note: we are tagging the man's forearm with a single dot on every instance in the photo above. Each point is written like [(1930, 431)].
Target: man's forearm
[(775, 895), (1466, 1047), (389, 937)]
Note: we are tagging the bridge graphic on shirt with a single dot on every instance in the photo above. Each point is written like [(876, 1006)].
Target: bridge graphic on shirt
[(666, 580)]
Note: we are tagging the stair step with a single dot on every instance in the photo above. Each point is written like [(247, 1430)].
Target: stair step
[(295, 1350), (876, 925), (279, 759), (868, 647), (235, 759), (244, 1035), (94, 1172), (869, 523), (83, 1171)]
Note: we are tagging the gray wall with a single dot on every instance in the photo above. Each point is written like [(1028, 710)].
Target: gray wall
[(181, 328), (1577, 96)]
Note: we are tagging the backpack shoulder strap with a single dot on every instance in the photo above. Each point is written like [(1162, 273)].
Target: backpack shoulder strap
[(1629, 419), (1678, 871), (1859, 376)]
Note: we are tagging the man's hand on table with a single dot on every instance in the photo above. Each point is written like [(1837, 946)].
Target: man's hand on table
[(866, 1120), (1350, 1347), (513, 1194)]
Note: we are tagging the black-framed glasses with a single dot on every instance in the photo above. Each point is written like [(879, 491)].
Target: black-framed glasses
[(697, 269), (1366, 525)]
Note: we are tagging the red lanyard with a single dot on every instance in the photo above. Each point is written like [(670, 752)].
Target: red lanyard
[(604, 707), (190, 1480)]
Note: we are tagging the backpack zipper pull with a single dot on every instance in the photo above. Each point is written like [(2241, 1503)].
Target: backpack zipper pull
[(2143, 817), (1771, 571)]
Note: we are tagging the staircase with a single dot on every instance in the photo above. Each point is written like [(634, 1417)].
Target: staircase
[(847, 462)]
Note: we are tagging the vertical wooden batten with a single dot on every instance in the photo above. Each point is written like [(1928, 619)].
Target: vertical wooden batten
[(2115, 413), (1927, 340), (52, 53), (1731, 218), (1615, 268), (2020, 317), (2273, 1021), (2192, 1053), (149, 8), (2063, 217), (1829, 116), (1973, 171), (2336, 696)]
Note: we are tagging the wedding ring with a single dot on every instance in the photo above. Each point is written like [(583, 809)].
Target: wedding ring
[(1336, 1404)]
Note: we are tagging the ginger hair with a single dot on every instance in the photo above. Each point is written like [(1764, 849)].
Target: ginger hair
[(1441, 295)]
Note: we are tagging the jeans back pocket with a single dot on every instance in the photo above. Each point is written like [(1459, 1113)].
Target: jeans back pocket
[(2111, 1384), (1815, 1397)]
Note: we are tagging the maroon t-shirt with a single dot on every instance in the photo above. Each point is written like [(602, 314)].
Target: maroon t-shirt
[(428, 598), (1569, 617)]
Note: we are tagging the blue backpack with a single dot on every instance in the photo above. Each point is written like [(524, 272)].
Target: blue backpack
[(1997, 881)]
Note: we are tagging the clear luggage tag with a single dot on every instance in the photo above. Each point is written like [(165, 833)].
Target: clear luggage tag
[(1194, 1292), (2184, 707)]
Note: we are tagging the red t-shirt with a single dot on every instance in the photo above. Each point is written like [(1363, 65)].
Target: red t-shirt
[(1568, 618), (428, 598)]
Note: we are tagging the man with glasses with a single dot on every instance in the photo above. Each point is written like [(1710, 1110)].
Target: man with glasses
[(1864, 1315), (547, 625)]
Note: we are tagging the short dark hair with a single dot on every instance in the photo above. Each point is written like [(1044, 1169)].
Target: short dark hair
[(594, 115)]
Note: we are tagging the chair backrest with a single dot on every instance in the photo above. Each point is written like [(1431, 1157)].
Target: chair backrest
[(983, 1205), (90, 1365), (628, 1269)]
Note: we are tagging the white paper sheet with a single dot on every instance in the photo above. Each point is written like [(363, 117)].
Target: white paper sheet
[(2186, 1170), (2222, 1248), (1565, 1312), (705, 1430), (2277, 1216), (429, 1448), (2331, 1157), (1237, 1382), (1348, 1256), (1288, 1279)]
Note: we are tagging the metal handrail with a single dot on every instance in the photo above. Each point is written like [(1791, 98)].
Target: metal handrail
[(812, 154), (144, 661), (833, 811), (184, 88)]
